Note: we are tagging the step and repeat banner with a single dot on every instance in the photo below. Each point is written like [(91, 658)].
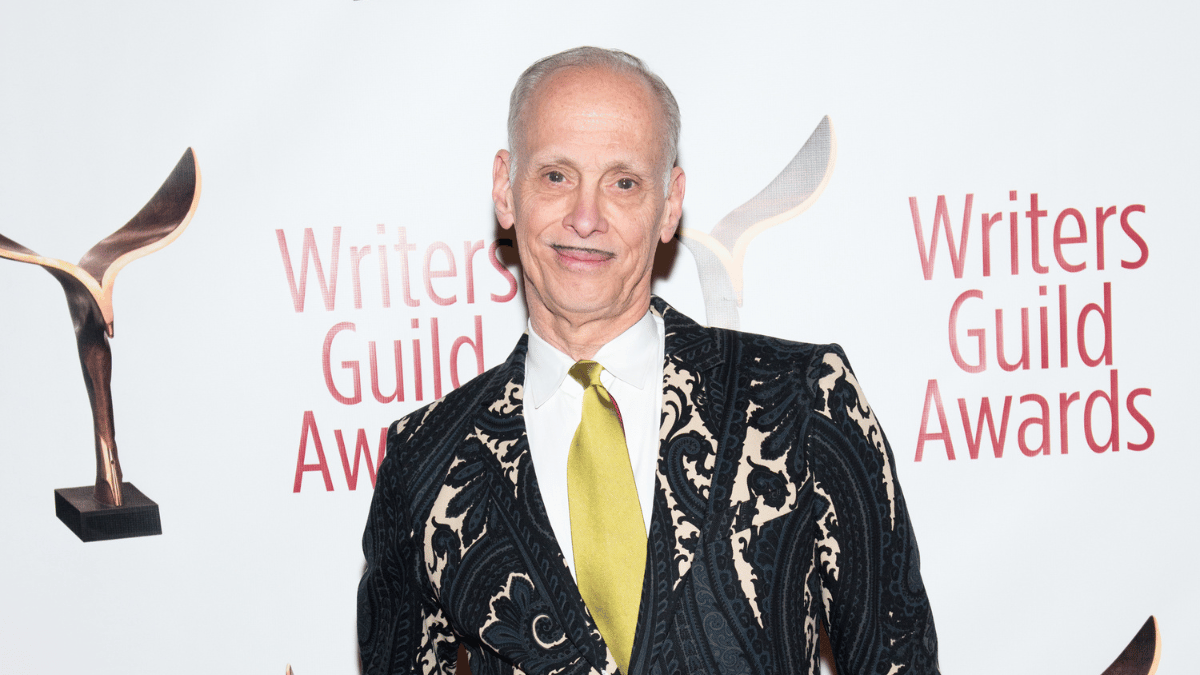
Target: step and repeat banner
[(997, 222)]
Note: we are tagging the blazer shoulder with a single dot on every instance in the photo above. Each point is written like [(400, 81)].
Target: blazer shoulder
[(787, 358), (497, 389), (769, 365)]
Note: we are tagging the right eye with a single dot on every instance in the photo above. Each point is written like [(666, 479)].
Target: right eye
[(555, 177)]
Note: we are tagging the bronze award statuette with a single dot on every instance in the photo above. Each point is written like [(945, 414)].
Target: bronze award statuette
[(112, 509)]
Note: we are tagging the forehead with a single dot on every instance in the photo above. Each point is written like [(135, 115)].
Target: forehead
[(593, 106)]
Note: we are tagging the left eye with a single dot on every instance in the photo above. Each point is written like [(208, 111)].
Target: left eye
[(626, 183)]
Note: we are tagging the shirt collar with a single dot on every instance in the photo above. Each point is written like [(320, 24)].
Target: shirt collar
[(631, 357)]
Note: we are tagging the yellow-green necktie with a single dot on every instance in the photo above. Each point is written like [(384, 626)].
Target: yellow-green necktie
[(608, 534)]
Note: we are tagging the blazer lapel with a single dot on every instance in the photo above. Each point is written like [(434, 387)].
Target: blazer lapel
[(688, 440), (687, 459), (501, 431)]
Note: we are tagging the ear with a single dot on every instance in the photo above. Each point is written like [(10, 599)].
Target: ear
[(502, 194), (674, 207)]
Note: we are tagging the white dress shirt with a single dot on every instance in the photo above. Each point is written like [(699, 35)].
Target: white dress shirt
[(633, 369)]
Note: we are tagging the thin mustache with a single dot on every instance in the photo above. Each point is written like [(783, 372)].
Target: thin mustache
[(581, 249)]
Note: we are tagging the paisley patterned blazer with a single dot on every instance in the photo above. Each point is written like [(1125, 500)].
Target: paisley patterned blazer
[(776, 509)]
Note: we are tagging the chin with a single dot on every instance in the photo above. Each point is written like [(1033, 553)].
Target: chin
[(584, 294), (581, 299), (578, 305)]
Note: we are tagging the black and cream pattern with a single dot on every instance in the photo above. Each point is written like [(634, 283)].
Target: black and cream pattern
[(776, 510)]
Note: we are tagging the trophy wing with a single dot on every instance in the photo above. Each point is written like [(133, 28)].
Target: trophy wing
[(82, 290), (75, 279), (1142, 654), (160, 222), (720, 255), (14, 251), (790, 194)]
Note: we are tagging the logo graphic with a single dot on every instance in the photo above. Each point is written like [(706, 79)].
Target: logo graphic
[(112, 509), (720, 254), (720, 258)]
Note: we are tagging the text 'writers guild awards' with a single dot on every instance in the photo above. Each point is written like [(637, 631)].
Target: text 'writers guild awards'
[(112, 509)]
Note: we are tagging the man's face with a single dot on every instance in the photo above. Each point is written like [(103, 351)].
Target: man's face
[(587, 198)]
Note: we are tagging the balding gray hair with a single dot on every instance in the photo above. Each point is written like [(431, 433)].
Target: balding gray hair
[(613, 60)]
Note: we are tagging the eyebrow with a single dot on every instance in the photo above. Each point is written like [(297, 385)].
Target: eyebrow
[(616, 166)]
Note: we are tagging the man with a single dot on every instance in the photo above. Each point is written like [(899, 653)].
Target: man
[(632, 491)]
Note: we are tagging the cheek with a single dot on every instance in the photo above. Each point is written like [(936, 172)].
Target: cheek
[(538, 215), (643, 250)]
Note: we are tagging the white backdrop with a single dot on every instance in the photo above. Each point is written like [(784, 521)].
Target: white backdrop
[(357, 117)]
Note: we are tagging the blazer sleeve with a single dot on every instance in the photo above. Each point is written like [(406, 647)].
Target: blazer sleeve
[(875, 607), (401, 627)]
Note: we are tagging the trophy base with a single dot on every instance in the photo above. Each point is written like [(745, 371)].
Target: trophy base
[(92, 521)]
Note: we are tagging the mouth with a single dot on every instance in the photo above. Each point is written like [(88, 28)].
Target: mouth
[(579, 254)]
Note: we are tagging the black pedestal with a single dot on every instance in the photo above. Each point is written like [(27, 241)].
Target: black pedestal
[(92, 521)]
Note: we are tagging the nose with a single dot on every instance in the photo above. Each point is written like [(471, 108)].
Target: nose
[(585, 216)]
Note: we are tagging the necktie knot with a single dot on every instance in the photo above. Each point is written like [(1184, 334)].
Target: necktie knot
[(586, 373)]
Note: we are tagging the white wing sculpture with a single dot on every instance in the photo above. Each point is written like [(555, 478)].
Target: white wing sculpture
[(721, 254)]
